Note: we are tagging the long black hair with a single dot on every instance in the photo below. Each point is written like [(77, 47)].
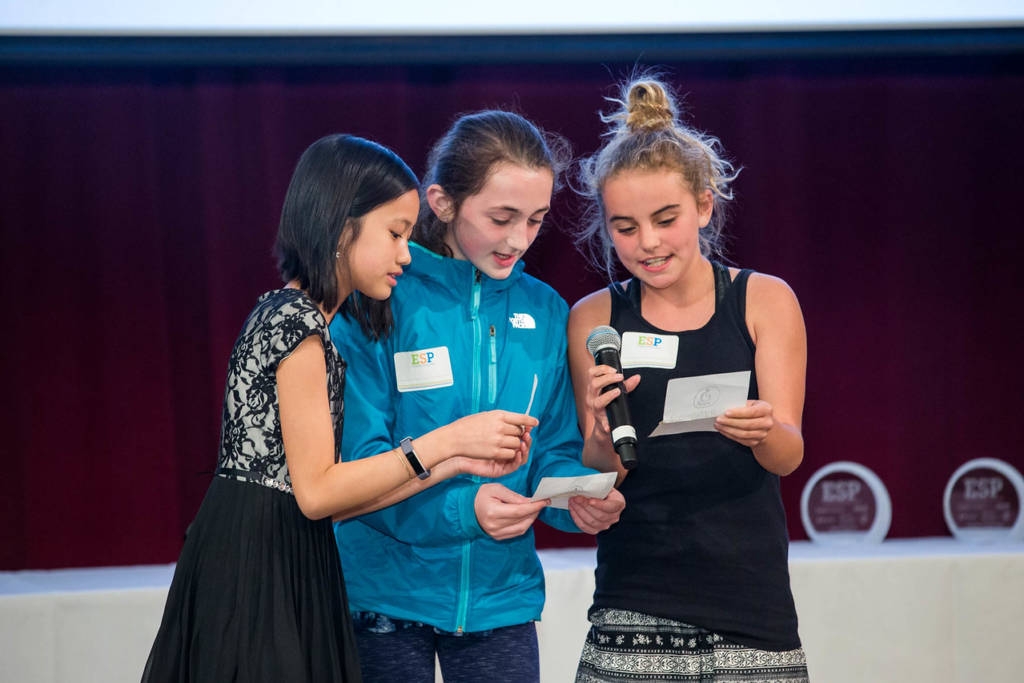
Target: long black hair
[(338, 180)]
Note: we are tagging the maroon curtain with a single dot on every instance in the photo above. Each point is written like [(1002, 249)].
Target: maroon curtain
[(138, 207)]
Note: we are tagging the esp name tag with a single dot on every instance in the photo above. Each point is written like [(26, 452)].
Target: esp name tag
[(647, 350), (423, 369)]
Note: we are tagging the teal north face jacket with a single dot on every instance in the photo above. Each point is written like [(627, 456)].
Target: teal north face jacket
[(462, 343)]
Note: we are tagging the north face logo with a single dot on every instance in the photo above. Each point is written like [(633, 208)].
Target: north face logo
[(523, 321)]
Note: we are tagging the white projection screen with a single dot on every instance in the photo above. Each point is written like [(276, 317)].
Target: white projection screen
[(472, 17)]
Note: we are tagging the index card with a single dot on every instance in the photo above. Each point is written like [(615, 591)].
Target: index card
[(693, 403)]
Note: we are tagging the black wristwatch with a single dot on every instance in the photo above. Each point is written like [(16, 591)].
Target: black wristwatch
[(414, 460)]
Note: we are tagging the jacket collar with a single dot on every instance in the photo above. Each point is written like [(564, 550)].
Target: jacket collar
[(455, 274)]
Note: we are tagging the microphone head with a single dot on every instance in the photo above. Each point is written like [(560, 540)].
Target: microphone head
[(603, 337)]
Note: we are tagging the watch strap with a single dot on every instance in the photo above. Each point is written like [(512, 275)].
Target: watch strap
[(414, 461)]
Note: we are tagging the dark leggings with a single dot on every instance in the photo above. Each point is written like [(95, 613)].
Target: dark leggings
[(406, 655)]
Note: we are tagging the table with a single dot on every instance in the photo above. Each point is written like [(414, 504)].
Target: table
[(907, 610)]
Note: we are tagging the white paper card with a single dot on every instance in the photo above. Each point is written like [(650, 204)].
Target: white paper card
[(423, 369), (646, 350), (561, 489), (693, 403)]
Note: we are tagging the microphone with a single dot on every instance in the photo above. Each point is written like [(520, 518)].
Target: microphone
[(604, 344)]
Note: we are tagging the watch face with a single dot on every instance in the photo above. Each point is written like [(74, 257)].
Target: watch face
[(414, 460)]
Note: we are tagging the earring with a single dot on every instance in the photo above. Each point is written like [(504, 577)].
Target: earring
[(337, 254)]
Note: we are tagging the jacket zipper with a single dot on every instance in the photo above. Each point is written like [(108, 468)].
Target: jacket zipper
[(474, 309), (492, 374), (477, 339)]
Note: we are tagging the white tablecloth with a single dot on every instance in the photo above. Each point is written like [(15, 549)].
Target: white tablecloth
[(929, 610)]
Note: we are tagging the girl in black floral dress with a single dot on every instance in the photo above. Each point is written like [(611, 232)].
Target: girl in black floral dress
[(258, 594)]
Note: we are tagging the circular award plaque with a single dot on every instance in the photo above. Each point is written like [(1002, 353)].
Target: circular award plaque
[(844, 502), (983, 501)]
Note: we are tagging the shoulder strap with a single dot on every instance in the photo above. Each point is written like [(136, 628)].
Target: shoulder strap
[(618, 296), (634, 289), (722, 283)]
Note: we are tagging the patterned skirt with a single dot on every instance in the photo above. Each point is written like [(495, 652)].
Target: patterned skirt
[(625, 646)]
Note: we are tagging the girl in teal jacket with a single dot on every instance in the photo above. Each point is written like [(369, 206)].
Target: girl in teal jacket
[(453, 570)]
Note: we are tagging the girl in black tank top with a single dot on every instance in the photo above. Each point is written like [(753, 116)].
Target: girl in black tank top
[(698, 563)]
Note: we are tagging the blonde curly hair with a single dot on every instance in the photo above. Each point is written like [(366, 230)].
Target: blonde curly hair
[(645, 133)]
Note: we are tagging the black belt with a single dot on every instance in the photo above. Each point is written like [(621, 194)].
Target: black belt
[(255, 477)]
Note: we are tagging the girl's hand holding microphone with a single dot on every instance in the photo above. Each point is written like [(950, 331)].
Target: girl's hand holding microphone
[(602, 376)]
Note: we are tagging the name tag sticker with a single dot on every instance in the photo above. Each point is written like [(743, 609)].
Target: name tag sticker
[(646, 350), (423, 369)]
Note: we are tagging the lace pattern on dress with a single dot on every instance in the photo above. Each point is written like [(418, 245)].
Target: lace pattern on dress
[(251, 447)]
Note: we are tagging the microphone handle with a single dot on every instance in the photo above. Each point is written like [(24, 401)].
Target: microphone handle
[(618, 412), (610, 357), (627, 454)]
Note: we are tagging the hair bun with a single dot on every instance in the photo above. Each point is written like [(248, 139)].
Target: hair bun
[(649, 107)]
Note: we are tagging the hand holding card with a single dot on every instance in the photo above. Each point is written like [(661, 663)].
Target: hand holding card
[(693, 403), (561, 489)]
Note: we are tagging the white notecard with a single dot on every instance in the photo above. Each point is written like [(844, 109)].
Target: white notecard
[(561, 489), (693, 403)]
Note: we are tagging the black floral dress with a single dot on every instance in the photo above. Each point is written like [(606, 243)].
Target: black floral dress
[(258, 593)]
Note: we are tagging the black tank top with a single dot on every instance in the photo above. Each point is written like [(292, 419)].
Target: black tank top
[(703, 536)]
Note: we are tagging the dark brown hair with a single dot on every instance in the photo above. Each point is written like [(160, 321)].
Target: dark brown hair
[(464, 158)]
